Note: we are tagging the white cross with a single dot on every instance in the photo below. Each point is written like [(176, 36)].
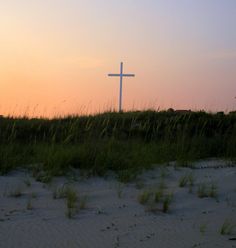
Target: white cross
[(121, 75)]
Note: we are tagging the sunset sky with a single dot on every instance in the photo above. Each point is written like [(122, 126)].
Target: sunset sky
[(55, 55)]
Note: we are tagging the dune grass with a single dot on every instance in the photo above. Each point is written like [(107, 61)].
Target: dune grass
[(29, 205), (227, 228), (71, 203), (83, 200), (144, 197), (74, 201), (203, 228), (183, 181), (166, 203), (125, 143), (187, 179), (207, 190), (156, 199), (158, 195)]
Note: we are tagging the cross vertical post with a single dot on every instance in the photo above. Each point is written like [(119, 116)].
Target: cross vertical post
[(121, 75), (121, 82)]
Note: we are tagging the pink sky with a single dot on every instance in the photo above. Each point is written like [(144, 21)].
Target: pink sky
[(55, 55)]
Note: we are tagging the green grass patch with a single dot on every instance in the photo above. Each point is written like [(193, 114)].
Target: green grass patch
[(207, 190), (227, 228), (144, 197), (126, 143)]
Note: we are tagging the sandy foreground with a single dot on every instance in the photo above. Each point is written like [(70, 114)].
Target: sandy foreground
[(30, 216)]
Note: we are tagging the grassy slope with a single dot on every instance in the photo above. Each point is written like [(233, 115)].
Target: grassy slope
[(123, 142)]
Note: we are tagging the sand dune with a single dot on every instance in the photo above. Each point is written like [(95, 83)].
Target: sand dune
[(113, 217)]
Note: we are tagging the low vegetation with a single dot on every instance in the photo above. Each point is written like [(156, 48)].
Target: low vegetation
[(164, 172), (187, 179), (156, 199), (83, 202), (158, 195), (125, 143), (74, 201), (71, 203), (60, 192), (207, 190), (166, 202), (227, 228), (183, 181), (202, 190), (203, 228), (29, 205), (144, 197)]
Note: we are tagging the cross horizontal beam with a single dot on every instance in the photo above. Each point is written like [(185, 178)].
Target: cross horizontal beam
[(121, 75)]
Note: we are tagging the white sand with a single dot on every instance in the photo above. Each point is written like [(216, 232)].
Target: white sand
[(113, 221)]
